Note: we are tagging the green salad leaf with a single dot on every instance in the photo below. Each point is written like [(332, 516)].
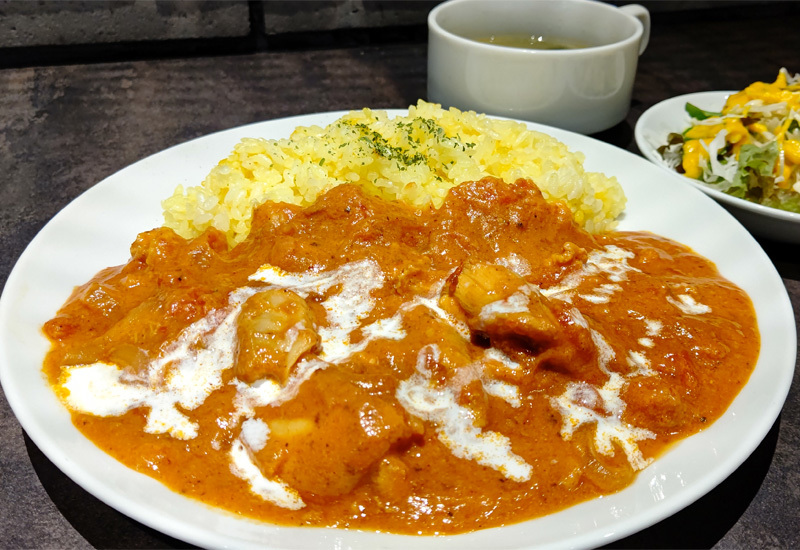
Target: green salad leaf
[(754, 179), (699, 114), (785, 200)]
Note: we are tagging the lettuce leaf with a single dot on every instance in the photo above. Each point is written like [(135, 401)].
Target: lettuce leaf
[(754, 179), (699, 114), (785, 200)]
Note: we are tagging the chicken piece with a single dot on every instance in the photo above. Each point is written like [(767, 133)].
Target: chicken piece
[(391, 478), (333, 434), (500, 304), (516, 317), (276, 328), (609, 473), (480, 284), (447, 353), (658, 405)]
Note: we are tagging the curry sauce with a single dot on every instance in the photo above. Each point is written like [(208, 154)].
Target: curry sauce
[(360, 363)]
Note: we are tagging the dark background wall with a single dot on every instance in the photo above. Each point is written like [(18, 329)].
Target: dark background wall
[(42, 32)]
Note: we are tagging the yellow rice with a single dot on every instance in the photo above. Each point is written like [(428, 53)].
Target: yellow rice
[(414, 158)]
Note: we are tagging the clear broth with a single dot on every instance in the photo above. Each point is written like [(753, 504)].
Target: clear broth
[(531, 41)]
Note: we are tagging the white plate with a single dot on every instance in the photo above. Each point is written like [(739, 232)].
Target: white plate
[(669, 116), (96, 230)]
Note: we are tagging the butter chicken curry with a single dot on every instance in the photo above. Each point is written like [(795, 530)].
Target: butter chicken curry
[(359, 363)]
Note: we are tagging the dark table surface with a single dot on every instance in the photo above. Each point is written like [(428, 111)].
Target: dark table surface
[(64, 128)]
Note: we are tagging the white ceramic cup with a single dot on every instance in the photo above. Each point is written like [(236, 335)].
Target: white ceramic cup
[(585, 90)]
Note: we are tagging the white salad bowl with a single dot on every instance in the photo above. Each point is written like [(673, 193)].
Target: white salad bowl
[(670, 116)]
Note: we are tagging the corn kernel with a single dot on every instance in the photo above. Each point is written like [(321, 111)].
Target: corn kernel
[(693, 154), (791, 151)]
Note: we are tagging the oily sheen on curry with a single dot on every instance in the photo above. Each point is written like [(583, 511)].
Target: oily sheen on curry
[(360, 363)]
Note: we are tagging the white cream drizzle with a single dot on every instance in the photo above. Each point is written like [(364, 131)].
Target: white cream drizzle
[(653, 327), (640, 364), (610, 260), (516, 264), (272, 490), (602, 294), (454, 423), (254, 434), (498, 355), (185, 374), (688, 305), (503, 390), (431, 301), (577, 406), (518, 302), (609, 428)]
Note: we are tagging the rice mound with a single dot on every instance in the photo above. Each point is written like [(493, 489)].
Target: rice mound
[(415, 158)]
